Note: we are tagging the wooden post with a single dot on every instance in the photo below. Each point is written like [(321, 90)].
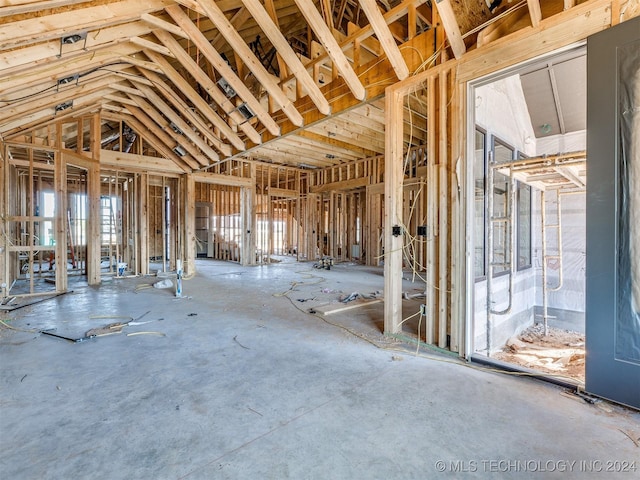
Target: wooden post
[(457, 257), (60, 174), (143, 222), (248, 207), (430, 293), (331, 244), (443, 203), (190, 225), (93, 199), (393, 191), (298, 219), (247, 255), (4, 239)]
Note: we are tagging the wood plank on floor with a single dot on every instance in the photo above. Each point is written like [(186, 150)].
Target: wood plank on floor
[(343, 307)]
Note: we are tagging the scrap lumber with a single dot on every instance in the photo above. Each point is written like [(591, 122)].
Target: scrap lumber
[(332, 308)]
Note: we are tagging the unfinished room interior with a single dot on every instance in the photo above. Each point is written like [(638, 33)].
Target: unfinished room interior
[(322, 239)]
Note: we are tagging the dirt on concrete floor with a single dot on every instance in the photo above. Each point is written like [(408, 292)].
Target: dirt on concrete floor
[(561, 352)]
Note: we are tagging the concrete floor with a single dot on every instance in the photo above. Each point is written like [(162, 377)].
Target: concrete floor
[(246, 385)]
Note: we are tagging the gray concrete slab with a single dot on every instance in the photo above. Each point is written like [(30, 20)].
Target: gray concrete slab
[(245, 384)]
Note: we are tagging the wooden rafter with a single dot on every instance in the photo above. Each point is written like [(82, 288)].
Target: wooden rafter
[(73, 22), (451, 27), (177, 165), (21, 8), (207, 84), (193, 118), (139, 119), (39, 76), (270, 7), (203, 107), (534, 12), (221, 66), (45, 115), (157, 22), (149, 45), (237, 42), (288, 55), (161, 124), (46, 100), (43, 53), (317, 24), (178, 121), (377, 22)]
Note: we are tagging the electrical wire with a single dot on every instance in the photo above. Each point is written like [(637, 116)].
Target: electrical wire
[(81, 75), (10, 327), (437, 354)]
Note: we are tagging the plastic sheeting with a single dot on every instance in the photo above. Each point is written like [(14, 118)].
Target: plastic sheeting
[(628, 321)]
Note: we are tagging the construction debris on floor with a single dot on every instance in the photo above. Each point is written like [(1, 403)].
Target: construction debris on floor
[(559, 352)]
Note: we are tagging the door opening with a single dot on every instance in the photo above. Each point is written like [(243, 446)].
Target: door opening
[(529, 215)]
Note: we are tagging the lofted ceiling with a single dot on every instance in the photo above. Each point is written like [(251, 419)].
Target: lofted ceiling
[(291, 82), (556, 94)]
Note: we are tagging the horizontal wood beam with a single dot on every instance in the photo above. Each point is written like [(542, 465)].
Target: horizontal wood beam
[(340, 186), (564, 28), (334, 142), (282, 192), (57, 25), (71, 157), (218, 179), (121, 160)]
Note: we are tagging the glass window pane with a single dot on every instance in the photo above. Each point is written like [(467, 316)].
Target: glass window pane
[(479, 210), (501, 247), (524, 226), (502, 153), (501, 211)]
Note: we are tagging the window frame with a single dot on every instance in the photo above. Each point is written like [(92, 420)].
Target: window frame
[(495, 140), (485, 163)]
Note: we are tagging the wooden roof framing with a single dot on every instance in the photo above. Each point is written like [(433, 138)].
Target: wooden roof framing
[(190, 73)]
